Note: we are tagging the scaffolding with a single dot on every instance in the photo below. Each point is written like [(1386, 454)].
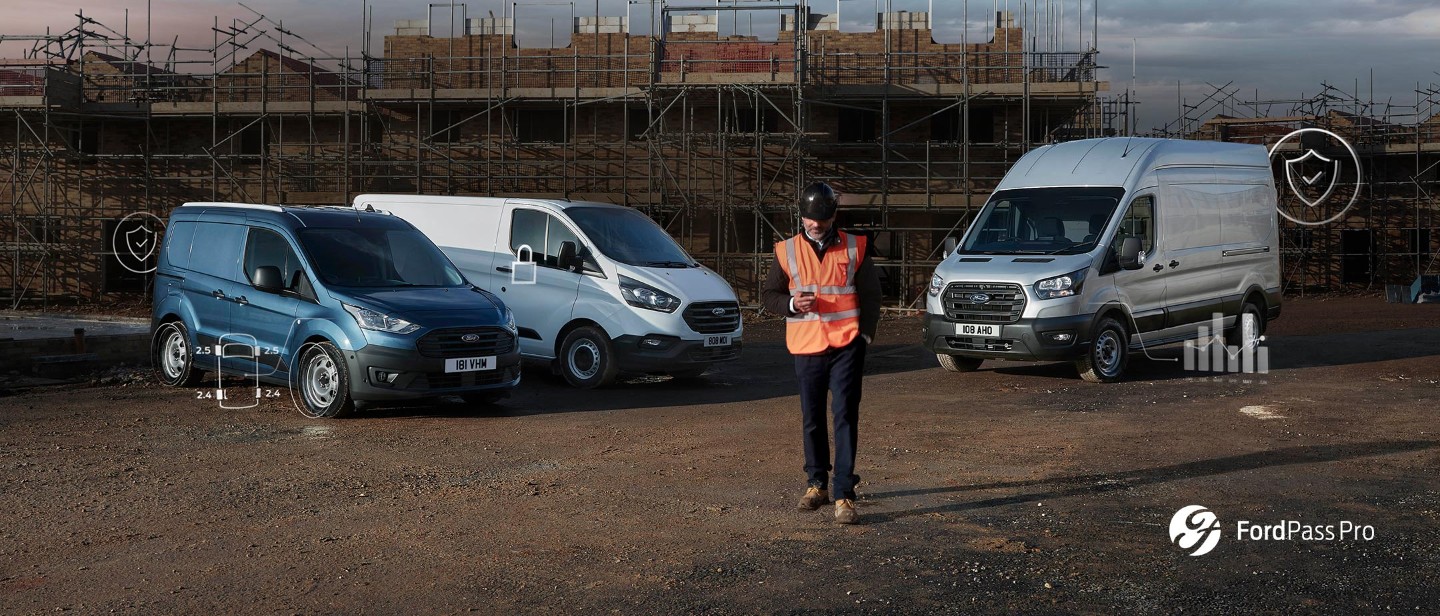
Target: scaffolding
[(1389, 236), (711, 133)]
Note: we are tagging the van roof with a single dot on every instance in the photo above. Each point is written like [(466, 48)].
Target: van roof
[(561, 204), (295, 217), (1122, 161)]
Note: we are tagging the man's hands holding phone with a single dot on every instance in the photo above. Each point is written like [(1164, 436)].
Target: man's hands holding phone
[(804, 303)]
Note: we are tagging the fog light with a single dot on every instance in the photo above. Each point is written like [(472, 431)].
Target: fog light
[(1058, 337), (383, 376), (656, 343)]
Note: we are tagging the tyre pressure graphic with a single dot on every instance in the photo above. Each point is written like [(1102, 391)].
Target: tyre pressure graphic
[(238, 350), (239, 362)]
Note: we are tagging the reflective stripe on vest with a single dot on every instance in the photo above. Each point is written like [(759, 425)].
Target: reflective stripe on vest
[(836, 321)]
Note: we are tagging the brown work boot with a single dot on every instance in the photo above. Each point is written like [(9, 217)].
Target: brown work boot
[(845, 512), (814, 497)]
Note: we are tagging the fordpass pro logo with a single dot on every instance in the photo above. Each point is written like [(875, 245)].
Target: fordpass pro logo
[(1195, 529)]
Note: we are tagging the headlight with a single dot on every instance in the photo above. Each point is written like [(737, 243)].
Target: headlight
[(641, 295), (369, 319), (510, 321), (1060, 286), (936, 283)]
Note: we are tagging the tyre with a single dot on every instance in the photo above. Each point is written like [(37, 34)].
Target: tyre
[(1109, 353), (586, 360), (174, 356), (323, 381), (956, 363), (1249, 327)]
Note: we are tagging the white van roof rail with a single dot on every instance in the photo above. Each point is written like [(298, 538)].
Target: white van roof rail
[(243, 206)]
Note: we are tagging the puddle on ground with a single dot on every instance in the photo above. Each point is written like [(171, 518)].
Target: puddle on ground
[(1261, 412)]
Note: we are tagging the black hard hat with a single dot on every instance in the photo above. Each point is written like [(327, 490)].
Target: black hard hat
[(818, 202)]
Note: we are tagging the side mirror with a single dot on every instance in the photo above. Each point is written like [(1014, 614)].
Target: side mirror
[(569, 259), (267, 278), (950, 245), (1130, 254)]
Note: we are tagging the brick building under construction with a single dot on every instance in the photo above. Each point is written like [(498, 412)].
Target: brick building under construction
[(710, 133)]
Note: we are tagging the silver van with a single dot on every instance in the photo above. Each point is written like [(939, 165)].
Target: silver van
[(598, 290), (1091, 250)]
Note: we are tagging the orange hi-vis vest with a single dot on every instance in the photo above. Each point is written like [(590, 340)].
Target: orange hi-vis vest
[(836, 320)]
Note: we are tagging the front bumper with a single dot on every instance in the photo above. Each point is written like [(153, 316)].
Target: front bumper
[(1022, 340), (417, 376), (679, 354)]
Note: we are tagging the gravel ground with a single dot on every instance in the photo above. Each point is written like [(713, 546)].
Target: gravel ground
[(1018, 488)]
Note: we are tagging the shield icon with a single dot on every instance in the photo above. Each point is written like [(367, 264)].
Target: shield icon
[(1322, 172), (140, 243)]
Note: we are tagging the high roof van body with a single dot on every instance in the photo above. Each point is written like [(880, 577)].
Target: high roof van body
[(1092, 250)]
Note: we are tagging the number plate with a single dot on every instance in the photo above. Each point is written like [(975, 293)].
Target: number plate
[(717, 341), (985, 330), (470, 364)]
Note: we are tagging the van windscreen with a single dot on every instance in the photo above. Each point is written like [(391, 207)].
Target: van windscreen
[(1067, 220), (376, 257), (629, 237)]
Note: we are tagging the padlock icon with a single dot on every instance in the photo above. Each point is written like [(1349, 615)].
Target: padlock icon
[(522, 270)]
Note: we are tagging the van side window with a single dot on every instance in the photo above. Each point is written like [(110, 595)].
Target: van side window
[(543, 233), (1138, 221), (527, 228), (220, 244), (265, 247)]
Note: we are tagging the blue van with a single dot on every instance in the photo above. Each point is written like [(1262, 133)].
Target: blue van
[(337, 304)]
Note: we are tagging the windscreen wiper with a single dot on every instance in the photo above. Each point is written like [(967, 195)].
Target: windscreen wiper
[(1070, 247)]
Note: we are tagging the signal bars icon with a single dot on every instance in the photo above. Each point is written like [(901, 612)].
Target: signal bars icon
[(1216, 356)]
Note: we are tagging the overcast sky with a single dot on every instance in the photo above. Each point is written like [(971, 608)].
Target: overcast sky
[(1284, 49)]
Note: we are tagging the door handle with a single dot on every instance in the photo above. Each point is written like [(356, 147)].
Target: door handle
[(1158, 267), (1174, 264), (504, 270), (241, 300), (218, 294)]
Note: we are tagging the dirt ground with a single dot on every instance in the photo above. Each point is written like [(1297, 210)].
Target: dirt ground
[(1018, 488)]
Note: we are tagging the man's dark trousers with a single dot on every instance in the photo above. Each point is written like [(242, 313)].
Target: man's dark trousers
[(840, 372)]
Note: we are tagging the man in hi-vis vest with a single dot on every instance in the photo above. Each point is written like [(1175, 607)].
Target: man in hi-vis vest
[(829, 292)]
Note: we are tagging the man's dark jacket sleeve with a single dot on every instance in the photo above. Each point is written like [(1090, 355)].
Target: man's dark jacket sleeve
[(867, 286), (775, 295)]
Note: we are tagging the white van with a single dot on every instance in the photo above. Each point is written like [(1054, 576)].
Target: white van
[(1091, 250), (598, 290)]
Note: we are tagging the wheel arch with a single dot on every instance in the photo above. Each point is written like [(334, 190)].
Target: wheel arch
[(573, 325)]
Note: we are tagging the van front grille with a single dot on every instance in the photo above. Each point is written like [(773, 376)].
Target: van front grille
[(961, 343), (713, 317), (1005, 303), (452, 342)]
